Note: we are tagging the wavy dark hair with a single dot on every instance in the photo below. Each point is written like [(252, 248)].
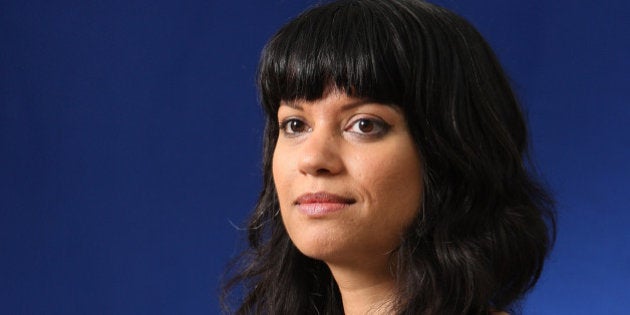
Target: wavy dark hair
[(486, 225)]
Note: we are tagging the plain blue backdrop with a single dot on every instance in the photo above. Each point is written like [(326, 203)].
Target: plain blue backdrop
[(130, 146)]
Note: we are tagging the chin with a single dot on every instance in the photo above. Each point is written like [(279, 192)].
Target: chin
[(320, 246), (319, 254)]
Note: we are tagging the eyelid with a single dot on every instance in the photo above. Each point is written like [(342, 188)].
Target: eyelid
[(283, 123), (380, 124)]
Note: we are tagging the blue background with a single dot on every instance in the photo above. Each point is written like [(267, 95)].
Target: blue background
[(130, 146)]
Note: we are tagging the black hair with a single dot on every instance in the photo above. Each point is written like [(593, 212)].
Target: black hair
[(486, 225)]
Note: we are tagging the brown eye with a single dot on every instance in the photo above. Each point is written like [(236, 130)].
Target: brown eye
[(293, 126), (365, 127)]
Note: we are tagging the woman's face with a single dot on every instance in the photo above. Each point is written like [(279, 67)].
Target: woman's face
[(348, 177)]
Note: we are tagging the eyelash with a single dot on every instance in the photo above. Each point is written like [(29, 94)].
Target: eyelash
[(381, 127), (285, 123)]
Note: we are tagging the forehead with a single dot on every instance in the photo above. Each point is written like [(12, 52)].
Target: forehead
[(336, 99)]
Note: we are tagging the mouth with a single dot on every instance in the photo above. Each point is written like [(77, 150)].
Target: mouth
[(322, 203)]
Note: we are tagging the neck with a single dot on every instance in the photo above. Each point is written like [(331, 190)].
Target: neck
[(364, 289)]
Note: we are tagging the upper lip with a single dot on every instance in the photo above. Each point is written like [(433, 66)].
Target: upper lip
[(323, 197)]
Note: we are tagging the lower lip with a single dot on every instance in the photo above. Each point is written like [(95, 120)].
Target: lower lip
[(318, 210)]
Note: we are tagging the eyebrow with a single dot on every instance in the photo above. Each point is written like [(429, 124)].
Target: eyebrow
[(296, 105)]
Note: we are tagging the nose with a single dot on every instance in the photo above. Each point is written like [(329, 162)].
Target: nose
[(320, 154)]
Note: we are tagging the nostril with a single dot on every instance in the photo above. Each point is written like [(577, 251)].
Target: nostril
[(323, 171)]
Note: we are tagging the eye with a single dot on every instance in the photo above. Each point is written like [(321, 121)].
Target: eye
[(368, 127), (293, 126)]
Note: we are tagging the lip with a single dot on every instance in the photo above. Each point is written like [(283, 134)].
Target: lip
[(322, 203)]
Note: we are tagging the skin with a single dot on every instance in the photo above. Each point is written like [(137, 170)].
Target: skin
[(361, 151)]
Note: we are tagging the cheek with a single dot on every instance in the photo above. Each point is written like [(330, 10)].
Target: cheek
[(389, 176), (394, 185), (276, 171), (280, 170), (401, 187)]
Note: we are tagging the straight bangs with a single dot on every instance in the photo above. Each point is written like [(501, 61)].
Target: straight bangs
[(346, 46)]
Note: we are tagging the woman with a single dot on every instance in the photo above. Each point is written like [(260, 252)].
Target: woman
[(394, 173)]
